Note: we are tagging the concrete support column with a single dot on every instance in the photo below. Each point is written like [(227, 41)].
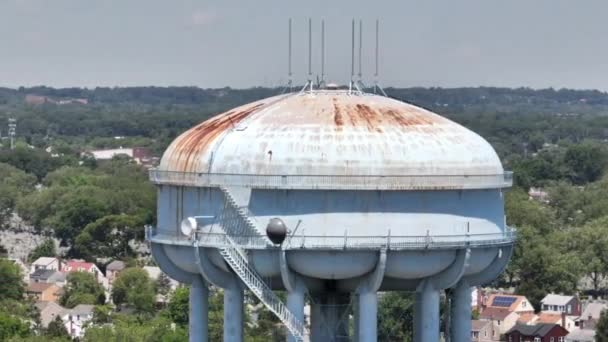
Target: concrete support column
[(199, 310), (417, 315), (295, 304), (316, 322), (233, 314), (427, 328), (461, 312), (368, 317)]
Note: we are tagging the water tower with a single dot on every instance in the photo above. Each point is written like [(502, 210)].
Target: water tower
[(332, 196)]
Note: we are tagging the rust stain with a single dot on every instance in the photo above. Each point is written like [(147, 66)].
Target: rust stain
[(338, 119), (190, 145)]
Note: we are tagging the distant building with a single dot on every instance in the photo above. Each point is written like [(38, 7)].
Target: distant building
[(569, 305), (591, 315), (37, 100), (536, 333), (140, 155), (560, 318), (44, 291), (484, 331), (513, 303), (113, 269), (48, 312), (503, 319), (46, 263), (75, 319), (89, 267), (48, 276), (581, 335)]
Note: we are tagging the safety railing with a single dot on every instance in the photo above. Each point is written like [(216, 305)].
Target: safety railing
[(341, 242), (334, 182)]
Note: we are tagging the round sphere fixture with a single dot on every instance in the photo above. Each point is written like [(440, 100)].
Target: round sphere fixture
[(276, 230), (188, 225)]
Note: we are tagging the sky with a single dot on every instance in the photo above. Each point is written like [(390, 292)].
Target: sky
[(212, 43)]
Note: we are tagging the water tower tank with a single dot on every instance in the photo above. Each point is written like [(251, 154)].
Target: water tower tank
[(367, 194)]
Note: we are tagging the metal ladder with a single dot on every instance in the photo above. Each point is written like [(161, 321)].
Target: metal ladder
[(234, 222)]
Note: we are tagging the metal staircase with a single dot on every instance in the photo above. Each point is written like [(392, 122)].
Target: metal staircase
[(235, 223)]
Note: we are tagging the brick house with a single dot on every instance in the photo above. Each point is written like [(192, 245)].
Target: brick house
[(536, 333), (484, 331)]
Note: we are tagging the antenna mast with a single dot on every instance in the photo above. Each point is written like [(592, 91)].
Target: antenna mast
[(310, 52), (360, 47), (352, 58), (376, 84), (322, 83), (290, 80)]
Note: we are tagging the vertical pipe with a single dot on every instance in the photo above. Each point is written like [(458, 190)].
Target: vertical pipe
[(295, 304), (309, 49), (322, 51), (199, 311), (289, 53), (316, 321), (461, 312), (352, 53), (368, 317), (233, 314), (360, 46), (356, 318)]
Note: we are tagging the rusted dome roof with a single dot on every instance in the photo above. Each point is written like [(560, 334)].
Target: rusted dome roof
[(331, 133)]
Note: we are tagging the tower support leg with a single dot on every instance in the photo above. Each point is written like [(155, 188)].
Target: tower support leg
[(368, 316), (233, 314), (428, 312), (461, 312), (295, 304), (199, 310)]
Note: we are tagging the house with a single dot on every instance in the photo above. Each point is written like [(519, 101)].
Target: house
[(46, 263), (44, 291), (559, 303), (528, 318), (501, 318), (112, 270), (48, 312), (553, 317), (140, 155), (513, 303), (536, 333), (591, 315), (76, 319), (484, 331), (48, 276), (581, 335), (82, 266)]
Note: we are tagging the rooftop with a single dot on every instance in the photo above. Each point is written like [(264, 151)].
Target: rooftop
[(554, 299), (337, 140), (494, 314), (44, 261), (533, 330)]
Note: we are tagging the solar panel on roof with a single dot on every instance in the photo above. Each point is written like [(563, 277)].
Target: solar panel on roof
[(503, 301)]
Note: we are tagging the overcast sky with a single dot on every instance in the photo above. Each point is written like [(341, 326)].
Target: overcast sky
[(535, 43)]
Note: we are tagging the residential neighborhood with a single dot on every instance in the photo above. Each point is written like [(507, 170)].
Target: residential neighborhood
[(512, 318)]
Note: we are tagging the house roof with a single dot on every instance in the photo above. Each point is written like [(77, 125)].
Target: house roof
[(540, 330), (494, 313), (582, 335), (38, 287), (48, 311), (477, 325), (82, 309), (75, 265), (44, 261), (549, 317), (42, 273), (116, 265), (554, 299), (527, 318), (594, 310), (511, 302)]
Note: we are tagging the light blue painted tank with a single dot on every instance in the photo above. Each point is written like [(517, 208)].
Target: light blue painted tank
[(360, 180)]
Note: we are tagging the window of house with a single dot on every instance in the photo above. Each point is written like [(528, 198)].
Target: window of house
[(552, 339), (537, 339), (569, 308), (561, 308), (560, 339), (498, 322), (485, 333)]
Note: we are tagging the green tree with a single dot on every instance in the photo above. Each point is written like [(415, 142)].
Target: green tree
[(586, 162), (56, 328), (45, 249), (11, 283), (177, 309), (109, 237), (82, 288), (395, 317), (163, 284), (14, 183), (129, 328), (11, 326), (134, 288), (591, 244), (601, 329)]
